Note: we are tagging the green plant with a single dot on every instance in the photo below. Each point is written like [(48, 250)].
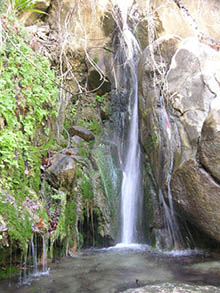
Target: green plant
[(99, 99), (8, 272), (19, 225), (95, 59), (27, 109), (95, 127), (86, 187), (24, 5), (27, 101), (58, 196)]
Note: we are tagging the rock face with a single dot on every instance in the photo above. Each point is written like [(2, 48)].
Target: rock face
[(179, 106)]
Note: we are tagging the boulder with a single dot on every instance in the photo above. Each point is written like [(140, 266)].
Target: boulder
[(81, 132), (62, 171), (198, 195), (191, 88), (194, 108)]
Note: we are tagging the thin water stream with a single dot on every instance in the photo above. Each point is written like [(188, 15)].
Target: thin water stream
[(126, 63), (118, 269)]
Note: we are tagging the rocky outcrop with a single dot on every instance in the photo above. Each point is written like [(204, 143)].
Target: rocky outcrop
[(82, 132), (180, 128)]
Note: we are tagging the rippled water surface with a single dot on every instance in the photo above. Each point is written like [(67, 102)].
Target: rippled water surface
[(118, 269)]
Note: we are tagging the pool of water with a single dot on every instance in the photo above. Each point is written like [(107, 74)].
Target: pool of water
[(118, 269)]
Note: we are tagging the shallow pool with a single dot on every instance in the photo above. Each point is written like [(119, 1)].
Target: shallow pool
[(120, 268)]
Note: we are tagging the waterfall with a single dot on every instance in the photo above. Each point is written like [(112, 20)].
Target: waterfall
[(130, 191), (174, 238), (34, 256), (126, 81)]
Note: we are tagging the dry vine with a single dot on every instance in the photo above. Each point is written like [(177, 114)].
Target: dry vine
[(191, 21)]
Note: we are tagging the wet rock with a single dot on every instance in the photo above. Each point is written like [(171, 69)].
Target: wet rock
[(174, 287), (71, 151), (62, 172), (82, 132), (76, 140), (153, 124), (153, 118), (194, 190)]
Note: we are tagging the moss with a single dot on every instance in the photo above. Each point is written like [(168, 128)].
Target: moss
[(80, 240), (19, 226), (7, 272), (100, 228), (86, 187), (70, 216)]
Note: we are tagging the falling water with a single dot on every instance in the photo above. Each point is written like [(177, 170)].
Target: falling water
[(44, 256), (174, 237), (131, 178), (31, 270), (34, 256), (127, 77)]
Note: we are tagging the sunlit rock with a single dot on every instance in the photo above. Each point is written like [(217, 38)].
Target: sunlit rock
[(210, 143)]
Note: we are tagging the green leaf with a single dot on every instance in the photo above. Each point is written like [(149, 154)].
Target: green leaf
[(35, 10)]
